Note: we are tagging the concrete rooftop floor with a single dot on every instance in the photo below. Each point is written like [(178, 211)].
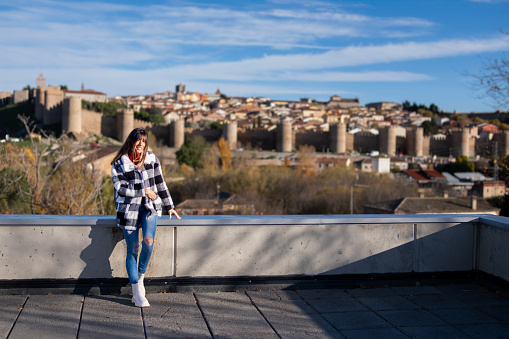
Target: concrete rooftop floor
[(444, 311)]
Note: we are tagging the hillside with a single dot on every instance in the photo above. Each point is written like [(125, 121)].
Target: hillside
[(10, 123)]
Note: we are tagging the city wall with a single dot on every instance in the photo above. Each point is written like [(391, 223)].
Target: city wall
[(319, 140), (256, 139), (51, 109), (365, 142)]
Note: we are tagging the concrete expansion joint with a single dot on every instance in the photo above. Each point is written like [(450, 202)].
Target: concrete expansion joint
[(263, 315)]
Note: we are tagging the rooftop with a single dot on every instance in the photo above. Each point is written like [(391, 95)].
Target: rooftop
[(455, 311), (288, 276)]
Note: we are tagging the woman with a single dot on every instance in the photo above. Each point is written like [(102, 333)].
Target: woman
[(140, 194)]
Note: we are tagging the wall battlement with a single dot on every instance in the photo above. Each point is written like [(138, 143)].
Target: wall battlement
[(51, 108)]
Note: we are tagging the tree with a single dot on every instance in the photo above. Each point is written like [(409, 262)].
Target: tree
[(462, 165), (430, 127), (216, 125), (225, 154), (45, 177), (190, 153), (493, 80), (307, 161), (503, 169)]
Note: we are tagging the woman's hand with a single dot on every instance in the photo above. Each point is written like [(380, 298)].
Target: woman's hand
[(149, 193), (172, 211)]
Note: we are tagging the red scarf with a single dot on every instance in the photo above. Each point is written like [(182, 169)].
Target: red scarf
[(131, 157)]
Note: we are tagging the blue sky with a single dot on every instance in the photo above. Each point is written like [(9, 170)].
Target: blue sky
[(383, 50)]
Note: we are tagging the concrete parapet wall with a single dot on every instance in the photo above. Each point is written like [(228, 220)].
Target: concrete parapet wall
[(492, 249), (67, 247)]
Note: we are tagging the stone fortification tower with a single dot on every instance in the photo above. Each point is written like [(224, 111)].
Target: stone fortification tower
[(48, 102), (284, 136), (415, 142), (387, 140), (230, 133), (460, 145), (501, 148), (40, 81), (177, 134), (337, 138), (39, 104), (71, 115), (465, 142), (125, 123)]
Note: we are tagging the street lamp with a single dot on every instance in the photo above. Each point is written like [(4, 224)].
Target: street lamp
[(351, 195)]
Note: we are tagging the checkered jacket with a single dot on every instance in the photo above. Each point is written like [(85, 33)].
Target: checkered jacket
[(130, 183)]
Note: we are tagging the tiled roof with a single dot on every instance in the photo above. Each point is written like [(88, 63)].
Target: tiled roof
[(433, 205), (434, 173), (415, 175)]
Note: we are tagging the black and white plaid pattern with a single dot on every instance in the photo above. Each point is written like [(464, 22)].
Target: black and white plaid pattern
[(130, 184)]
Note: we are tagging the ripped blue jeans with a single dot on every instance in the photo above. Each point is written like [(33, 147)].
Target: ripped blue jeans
[(148, 228)]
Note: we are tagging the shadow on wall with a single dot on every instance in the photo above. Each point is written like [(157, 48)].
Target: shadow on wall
[(97, 261), (324, 250)]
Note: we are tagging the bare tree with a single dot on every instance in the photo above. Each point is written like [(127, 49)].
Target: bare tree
[(493, 80), (49, 176)]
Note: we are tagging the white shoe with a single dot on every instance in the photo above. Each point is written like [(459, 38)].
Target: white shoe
[(138, 299), (141, 284)]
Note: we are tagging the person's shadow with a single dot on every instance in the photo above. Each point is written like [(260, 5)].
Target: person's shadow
[(96, 277)]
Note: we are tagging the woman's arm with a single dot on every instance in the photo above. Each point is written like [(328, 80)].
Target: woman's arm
[(162, 189), (124, 186)]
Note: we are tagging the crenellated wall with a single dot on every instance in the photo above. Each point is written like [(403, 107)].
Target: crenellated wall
[(51, 108), (257, 139), (319, 140), (365, 142)]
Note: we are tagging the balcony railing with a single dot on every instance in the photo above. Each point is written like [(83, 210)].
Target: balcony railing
[(92, 247)]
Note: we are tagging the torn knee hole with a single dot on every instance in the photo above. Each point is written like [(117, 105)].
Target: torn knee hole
[(135, 248), (148, 240)]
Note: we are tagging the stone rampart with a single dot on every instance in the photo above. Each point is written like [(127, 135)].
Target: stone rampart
[(5, 98), (319, 140), (364, 142), (257, 139), (21, 96), (440, 146), (210, 135)]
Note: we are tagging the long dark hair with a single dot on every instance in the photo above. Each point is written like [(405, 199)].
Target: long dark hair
[(128, 146)]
